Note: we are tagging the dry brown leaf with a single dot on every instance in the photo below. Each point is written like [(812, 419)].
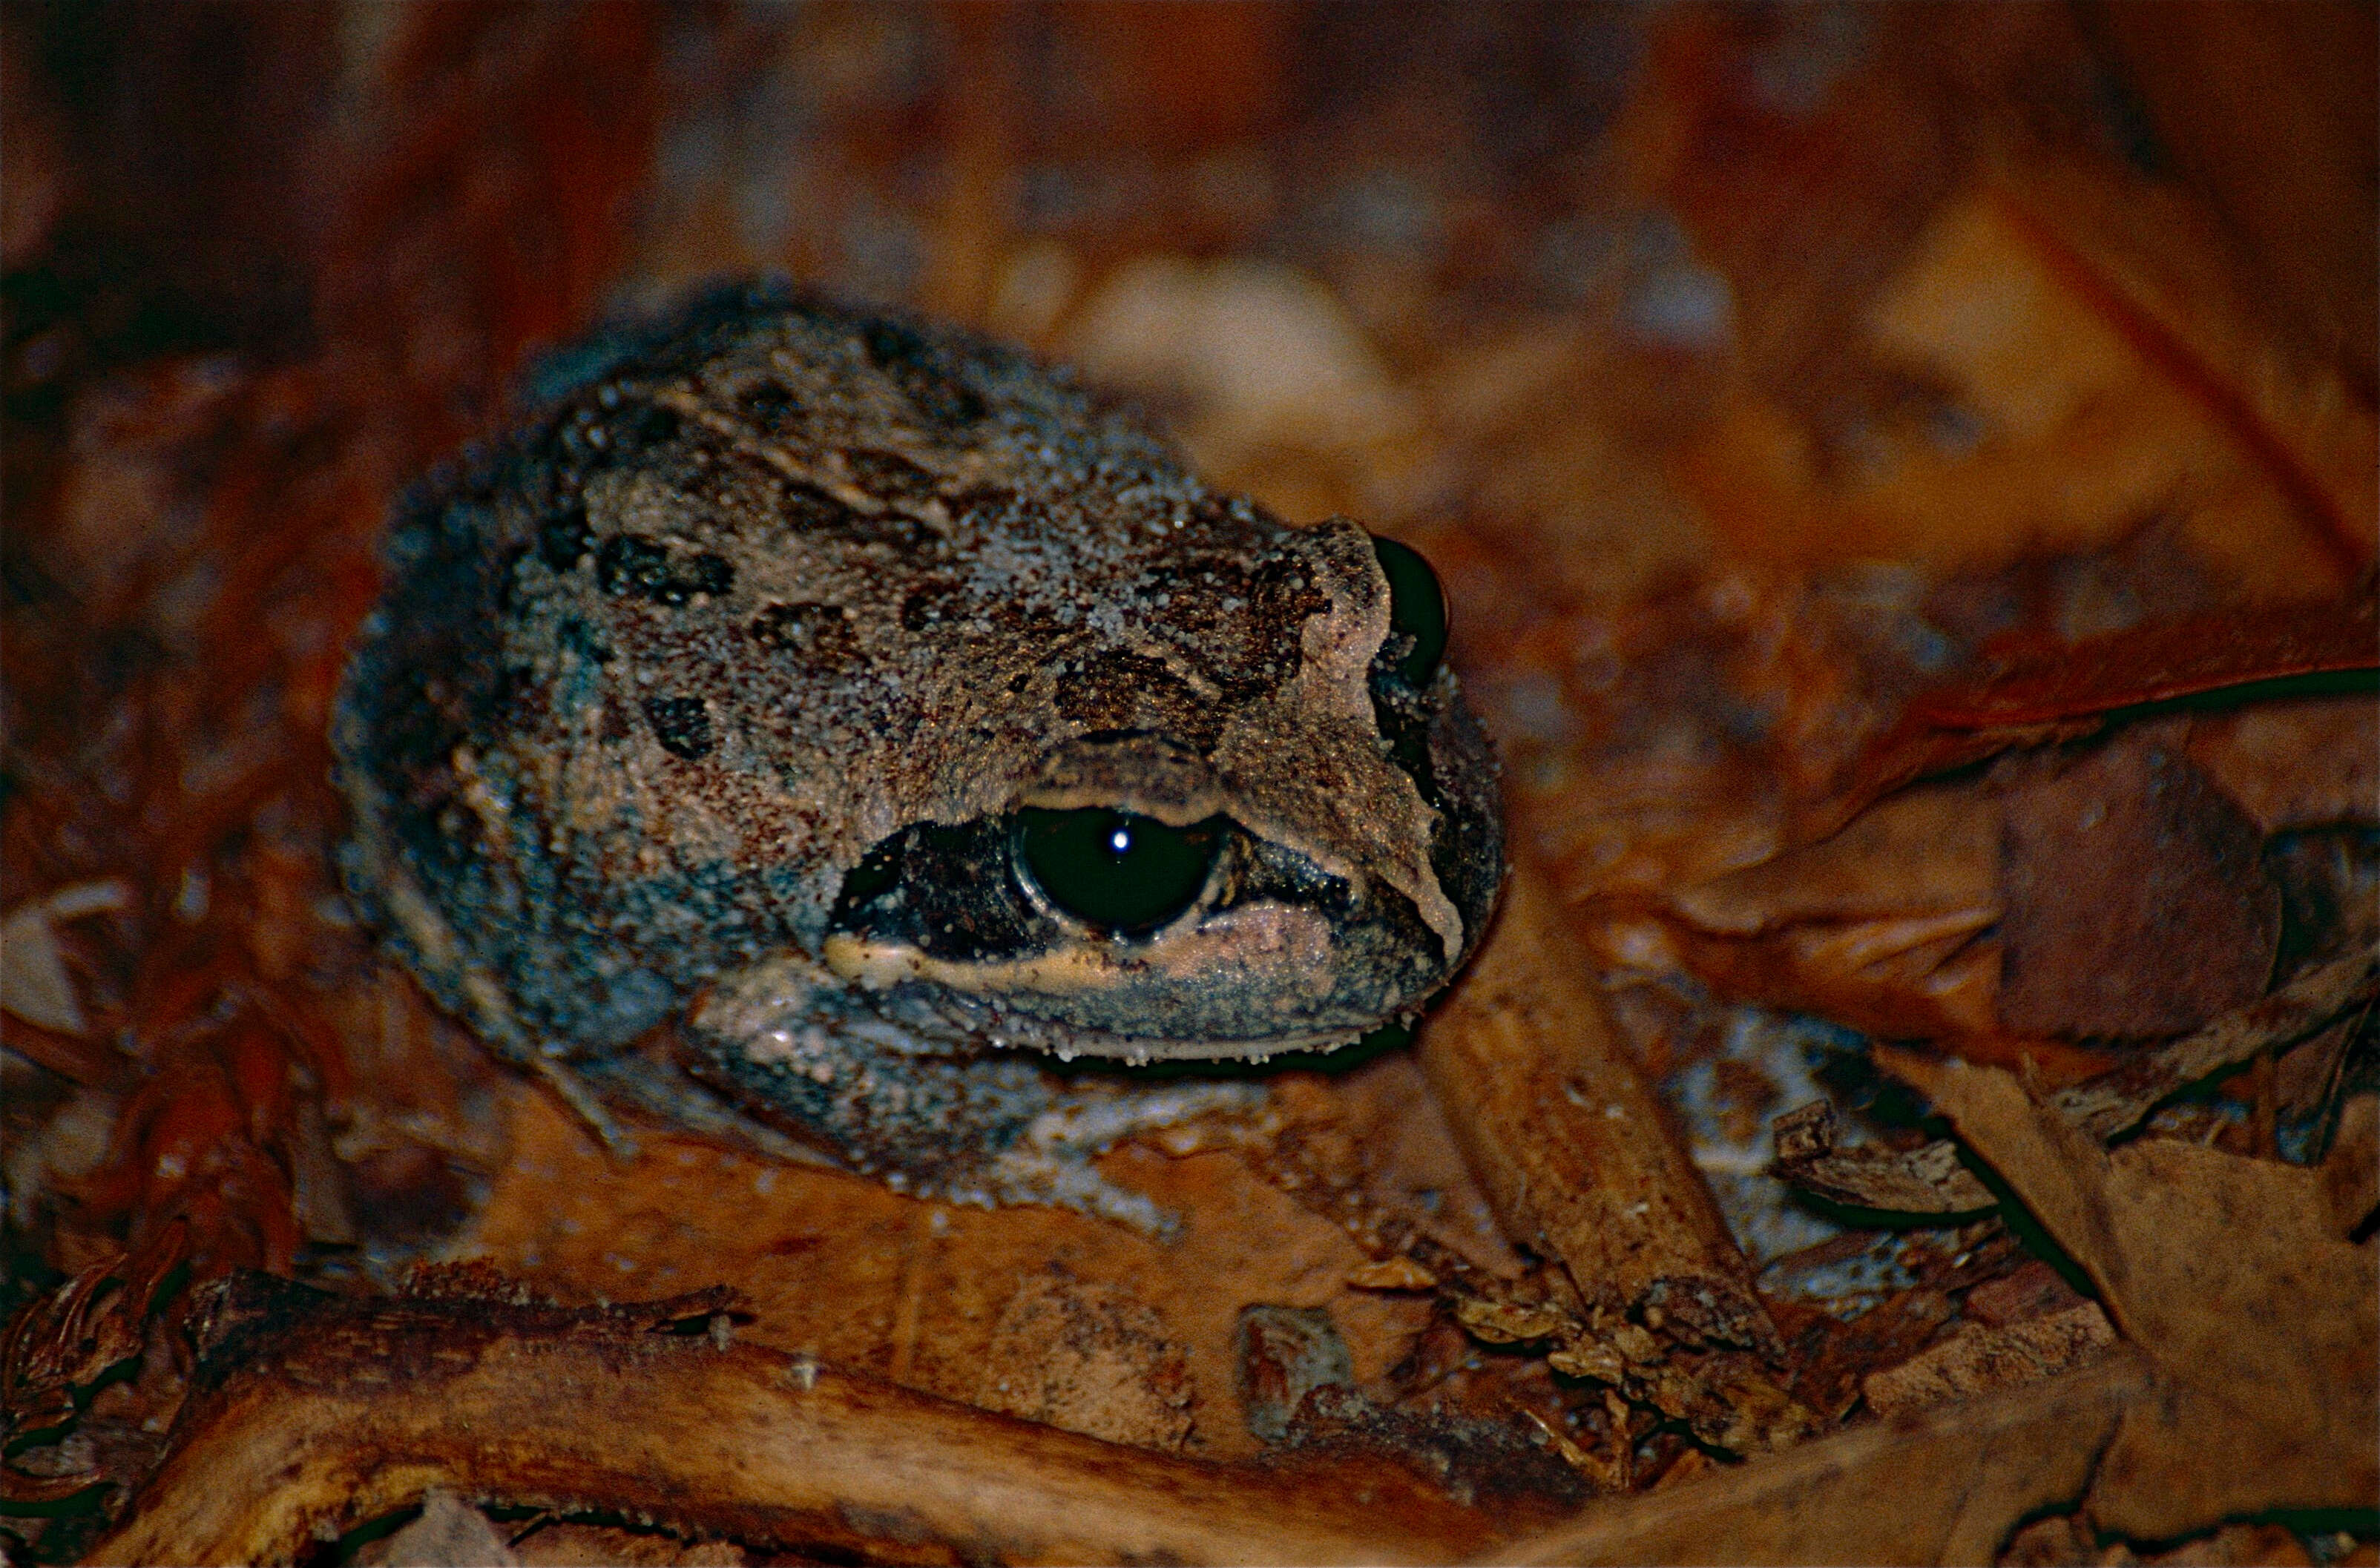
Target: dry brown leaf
[(2101, 365), (1262, 360), (2231, 1274), (2351, 1175), (34, 984), (2070, 437), (1942, 1485), (2155, 264), (1933, 850), (2132, 898), (1921, 977), (2224, 87), (34, 981), (843, 1268), (2308, 762), (1884, 926)]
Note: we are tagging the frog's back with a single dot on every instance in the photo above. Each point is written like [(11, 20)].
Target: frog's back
[(751, 591)]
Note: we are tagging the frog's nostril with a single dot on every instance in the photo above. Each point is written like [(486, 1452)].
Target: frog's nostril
[(1116, 870)]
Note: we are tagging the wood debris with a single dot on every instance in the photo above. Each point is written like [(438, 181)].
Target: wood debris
[(1930, 1180), (1574, 1149), (297, 1410)]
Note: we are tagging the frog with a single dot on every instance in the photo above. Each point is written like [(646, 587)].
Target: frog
[(813, 725)]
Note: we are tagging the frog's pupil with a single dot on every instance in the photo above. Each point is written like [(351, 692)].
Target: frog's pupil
[(1416, 608), (1113, 869)]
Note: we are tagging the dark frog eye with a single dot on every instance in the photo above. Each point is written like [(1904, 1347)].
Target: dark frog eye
[(1113, 869), (1416, 608)]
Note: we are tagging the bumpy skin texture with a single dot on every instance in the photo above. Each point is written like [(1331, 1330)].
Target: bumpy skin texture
[(709, 694)]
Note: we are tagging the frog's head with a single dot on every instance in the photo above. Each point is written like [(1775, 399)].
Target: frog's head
[(1205, 866)]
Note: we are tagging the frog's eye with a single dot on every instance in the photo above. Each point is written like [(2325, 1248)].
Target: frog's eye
[(1113, 869), (1416, 608)]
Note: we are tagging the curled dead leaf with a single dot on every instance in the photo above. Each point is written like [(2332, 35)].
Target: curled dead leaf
[(2231, 1275)]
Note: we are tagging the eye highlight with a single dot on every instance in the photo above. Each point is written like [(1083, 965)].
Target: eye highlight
[(1125, 872), (1416, 608)]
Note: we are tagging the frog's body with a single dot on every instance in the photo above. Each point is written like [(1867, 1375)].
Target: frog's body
[(726, 688)]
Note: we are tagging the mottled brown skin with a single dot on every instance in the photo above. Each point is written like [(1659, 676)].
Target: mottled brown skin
[(708, 694)]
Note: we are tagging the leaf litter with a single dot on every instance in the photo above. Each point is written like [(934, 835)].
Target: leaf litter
[(1917, 576)]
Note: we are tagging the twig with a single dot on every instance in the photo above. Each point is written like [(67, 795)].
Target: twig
[(1569, 1142), (313, 1414)]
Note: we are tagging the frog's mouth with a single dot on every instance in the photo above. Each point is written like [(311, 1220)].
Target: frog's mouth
[(1114, 932)]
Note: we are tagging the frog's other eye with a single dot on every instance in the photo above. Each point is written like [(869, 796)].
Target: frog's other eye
[(1122, 872), (1416, 608)]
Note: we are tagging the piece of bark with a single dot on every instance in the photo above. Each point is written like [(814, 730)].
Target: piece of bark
[(1946, 1484), (1087, 1356), (2132, 898), (2034, 1290), (1723, 1395), (2229, 1273), (311, 1415), (1985, 1358), (1570, 1144), (1392, 1273), (598, 1546), (56, 1348), (1928, 1180)]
